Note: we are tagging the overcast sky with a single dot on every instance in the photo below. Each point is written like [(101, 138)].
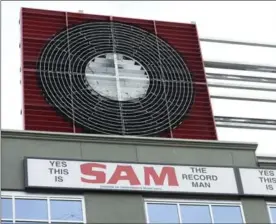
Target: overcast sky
[(243, 21)]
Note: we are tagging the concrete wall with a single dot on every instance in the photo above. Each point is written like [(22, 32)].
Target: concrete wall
[(120, 207)]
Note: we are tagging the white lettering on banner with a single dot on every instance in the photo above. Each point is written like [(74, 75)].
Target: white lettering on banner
[(134, 177), (258, 181)]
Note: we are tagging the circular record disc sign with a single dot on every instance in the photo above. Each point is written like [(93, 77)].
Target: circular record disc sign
[(114, 78)]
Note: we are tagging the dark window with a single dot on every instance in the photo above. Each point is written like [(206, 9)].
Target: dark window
[(66, 210), (6, 205), (226, 214), (31, 209), (163, 213), (43, 209), (194, 213), (272, 211)]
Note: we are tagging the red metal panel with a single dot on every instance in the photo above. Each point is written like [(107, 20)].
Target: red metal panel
[(39, 26), (199, 122)]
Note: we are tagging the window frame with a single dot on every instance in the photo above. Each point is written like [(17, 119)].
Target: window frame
[(44, 196), (209, 203), (269, 205)]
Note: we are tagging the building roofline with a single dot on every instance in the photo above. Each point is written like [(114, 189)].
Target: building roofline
[(267, 160), (58, 136)]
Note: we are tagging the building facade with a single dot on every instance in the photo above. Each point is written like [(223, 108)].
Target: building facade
[(78, 178), (93, 82)]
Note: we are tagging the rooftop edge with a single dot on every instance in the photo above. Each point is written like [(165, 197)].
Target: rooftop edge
[(58, 136)]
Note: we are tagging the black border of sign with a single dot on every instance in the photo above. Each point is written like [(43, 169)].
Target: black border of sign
[(127, 190)]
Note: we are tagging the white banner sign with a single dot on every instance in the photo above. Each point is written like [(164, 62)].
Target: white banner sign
[(129, 177), (258, 181)]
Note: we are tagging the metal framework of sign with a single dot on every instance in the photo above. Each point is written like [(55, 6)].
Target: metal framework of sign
[(94, 175)]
